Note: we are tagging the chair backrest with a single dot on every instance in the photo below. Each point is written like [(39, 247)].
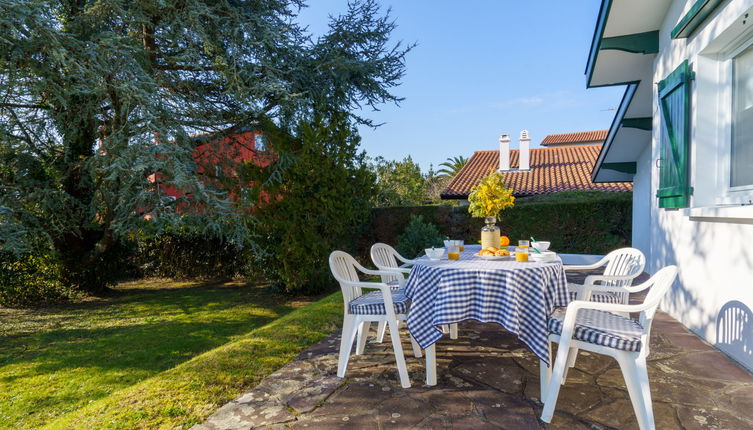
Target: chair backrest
[(624, 262), (660, 284), (385, 257), (343, 267)]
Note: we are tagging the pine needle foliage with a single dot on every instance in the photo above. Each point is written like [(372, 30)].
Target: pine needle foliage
[(99, 100)]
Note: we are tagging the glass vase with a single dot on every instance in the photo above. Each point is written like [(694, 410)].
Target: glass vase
[(490, 233)]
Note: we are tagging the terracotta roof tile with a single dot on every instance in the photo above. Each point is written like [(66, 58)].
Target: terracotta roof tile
[(597, 136), (553, 170)]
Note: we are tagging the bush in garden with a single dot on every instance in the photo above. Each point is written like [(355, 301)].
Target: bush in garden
[(575, 222), (189, 254), (417, 236), (30, 280), (320, 203)]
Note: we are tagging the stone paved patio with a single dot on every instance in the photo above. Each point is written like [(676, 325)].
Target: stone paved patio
[(489, 380)]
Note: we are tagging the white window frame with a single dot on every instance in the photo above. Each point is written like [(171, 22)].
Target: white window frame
[(739, 194), (711, 119)]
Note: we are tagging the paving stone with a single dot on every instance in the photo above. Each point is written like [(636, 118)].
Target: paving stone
[(669, 384), (434, 422), (241, 416), (355, 397), (713, 365), (344, 421), (692, 418), (500, 373), (566, 422), (503, 410), (573, 398), (619, 413), (308, 397), (741, 402), (402, 412), (471, 423), (449, 403)]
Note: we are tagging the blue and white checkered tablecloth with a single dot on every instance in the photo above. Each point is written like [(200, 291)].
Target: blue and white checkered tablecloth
[(518, 296)]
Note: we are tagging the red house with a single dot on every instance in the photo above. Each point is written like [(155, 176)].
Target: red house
[(217, 157)]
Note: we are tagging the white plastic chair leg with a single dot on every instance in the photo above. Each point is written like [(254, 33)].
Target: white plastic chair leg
[(397, 346), (572, 355), (545, 374), (431, 365), (416, 347), (635, 373), (553, 390), (381, 328), (346, 343), (445, 329), (363, 334), (453, 331)]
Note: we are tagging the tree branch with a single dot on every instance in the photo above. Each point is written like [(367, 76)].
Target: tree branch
[(24, 106)]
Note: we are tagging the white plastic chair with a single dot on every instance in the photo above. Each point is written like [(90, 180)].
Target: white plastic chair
[(597, 327), (623, 265), (385, 257), (361, 309)]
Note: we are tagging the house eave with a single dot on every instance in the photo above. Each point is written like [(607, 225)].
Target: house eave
[(625, 40), (628, 136)]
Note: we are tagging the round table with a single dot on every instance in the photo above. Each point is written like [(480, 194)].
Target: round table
[(519, 296)]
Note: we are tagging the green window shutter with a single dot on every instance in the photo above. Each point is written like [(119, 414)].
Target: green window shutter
[(674, 101)]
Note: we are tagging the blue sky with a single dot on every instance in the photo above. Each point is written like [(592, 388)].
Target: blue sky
[(481, 69)]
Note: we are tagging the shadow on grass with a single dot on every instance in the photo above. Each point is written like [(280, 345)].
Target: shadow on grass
[(141, 330)]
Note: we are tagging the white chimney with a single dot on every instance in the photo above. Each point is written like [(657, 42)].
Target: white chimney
[(524, 155), (504, 152)]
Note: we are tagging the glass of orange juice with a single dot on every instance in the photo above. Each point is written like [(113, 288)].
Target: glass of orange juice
[(461, 245), (521, 252), (453, 253)]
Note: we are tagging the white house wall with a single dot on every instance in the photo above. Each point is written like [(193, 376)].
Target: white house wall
[(715, 255), (642, 202)]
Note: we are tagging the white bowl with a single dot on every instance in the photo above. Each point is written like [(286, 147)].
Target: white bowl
[(541, 245), (434, 253)]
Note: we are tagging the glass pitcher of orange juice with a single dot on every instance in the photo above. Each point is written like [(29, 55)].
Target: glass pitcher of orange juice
[(521, 252)]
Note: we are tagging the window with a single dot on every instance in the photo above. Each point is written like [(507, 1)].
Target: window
[(741, 150), (259, 142)]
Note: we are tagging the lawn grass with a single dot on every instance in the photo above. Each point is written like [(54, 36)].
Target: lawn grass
[(156, 355)]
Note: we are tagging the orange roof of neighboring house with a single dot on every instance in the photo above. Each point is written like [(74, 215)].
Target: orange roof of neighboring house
[(596, 136), (553, 170)]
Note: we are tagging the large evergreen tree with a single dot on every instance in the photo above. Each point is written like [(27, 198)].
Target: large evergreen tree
[(98, 95)]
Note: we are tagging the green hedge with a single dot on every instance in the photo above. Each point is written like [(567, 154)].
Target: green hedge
[(583, 223)]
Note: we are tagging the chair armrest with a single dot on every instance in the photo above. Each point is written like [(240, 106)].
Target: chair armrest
[(592, 279), (405, 266), (405, 260), (391, 271), (574, 267), (373, 285), (402, 270), (568, 324)]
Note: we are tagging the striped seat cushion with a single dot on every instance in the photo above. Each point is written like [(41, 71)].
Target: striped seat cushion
[(601, 297), (373, 303), (394, 285), (601, 328)]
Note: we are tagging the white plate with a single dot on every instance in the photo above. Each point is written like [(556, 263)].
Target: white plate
[(494, 257), (544, 256)]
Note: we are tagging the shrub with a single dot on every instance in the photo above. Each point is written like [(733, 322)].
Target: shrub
[(588, 223), (31, 280), (186, 254), (418, 235), (321, 203)]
